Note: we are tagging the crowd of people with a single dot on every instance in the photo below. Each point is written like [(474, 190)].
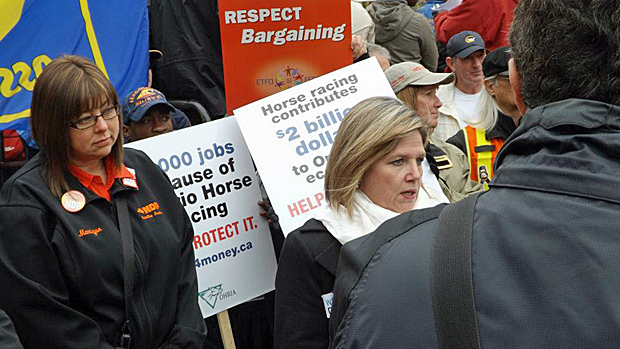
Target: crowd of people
[(474, 209)]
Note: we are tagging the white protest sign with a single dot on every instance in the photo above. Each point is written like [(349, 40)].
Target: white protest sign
[(291, 133), (211, 170)]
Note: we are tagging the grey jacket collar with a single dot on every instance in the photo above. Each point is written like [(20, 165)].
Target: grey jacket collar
[(570, 147)]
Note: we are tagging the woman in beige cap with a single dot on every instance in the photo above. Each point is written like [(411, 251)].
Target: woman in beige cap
[(445, 169)]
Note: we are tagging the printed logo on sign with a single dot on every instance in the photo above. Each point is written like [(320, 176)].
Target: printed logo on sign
[(285, 78), (211, 294), (288, 77)]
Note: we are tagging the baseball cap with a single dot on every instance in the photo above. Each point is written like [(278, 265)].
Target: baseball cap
[(496, 62), (138, 102), (404, 74), (464, 43)]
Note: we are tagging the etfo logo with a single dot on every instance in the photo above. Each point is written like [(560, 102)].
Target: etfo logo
[(288, 77)]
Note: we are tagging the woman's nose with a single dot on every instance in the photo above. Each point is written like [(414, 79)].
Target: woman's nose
[(414, 173), (101, 124)]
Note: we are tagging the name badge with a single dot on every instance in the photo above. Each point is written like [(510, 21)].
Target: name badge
[(130, 182), (327, 302)]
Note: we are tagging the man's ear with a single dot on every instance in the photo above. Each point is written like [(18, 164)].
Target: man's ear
[(515, 82), (126, 133), (490, 86), (449, 63)]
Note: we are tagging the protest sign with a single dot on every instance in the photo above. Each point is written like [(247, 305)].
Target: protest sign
[(271, 45), (290, 135), (211, 171)]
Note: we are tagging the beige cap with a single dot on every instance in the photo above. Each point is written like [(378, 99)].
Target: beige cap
[(403, 74)]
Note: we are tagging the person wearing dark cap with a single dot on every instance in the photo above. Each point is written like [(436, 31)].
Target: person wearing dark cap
[(445, 168), (465, 51), (146, 113), (497, 103)]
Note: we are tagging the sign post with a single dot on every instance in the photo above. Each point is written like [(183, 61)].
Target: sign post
[(226, 330)]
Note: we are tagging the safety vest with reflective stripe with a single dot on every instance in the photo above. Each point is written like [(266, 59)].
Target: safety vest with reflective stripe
[(481, 154)]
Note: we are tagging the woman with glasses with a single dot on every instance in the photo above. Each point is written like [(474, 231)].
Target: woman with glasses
[(95, 247)]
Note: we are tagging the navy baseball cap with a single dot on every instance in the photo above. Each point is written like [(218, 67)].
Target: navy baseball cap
[(138, 102), (496, 62), (464, 43)]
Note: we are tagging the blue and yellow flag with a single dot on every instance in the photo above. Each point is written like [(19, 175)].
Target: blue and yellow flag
[(114, 34)]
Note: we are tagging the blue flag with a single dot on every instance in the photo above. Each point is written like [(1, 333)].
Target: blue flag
[(114, 34)]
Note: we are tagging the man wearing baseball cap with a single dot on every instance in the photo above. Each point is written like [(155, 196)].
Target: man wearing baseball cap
[(497, 103), (146, 113), (445, 170), (465, 51)]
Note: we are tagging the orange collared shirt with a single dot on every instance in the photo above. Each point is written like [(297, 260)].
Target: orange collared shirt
[(95, 183)]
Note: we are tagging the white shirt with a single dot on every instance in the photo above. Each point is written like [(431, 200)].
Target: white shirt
[(430, 182), (466, 107)]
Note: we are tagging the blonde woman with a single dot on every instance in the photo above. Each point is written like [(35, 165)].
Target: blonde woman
[(373, 174), (446, 169)]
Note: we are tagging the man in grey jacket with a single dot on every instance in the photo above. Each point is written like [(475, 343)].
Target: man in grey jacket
[(544, 244), (405, 33)]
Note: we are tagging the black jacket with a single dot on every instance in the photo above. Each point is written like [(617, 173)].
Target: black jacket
[(544, 247), (306, 271), (62, 272), (8, 337)]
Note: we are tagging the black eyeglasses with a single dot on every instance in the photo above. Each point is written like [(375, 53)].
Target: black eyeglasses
[(91, 120)]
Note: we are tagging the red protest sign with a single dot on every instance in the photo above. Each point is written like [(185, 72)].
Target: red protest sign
[(269, 46)]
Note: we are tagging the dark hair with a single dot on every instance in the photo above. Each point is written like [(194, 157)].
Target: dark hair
[(567, 49), (67, 87)]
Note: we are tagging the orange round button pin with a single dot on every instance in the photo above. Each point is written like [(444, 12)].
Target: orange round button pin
[(73, 201)]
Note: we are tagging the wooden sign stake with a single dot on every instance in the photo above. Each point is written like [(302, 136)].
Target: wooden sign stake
[(226, 330)]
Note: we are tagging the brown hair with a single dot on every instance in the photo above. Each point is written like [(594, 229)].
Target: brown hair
[(67, 87), (371, 129), (408, 96)]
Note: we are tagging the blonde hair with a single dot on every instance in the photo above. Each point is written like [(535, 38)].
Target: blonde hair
[(67, 87), (371, 129)]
